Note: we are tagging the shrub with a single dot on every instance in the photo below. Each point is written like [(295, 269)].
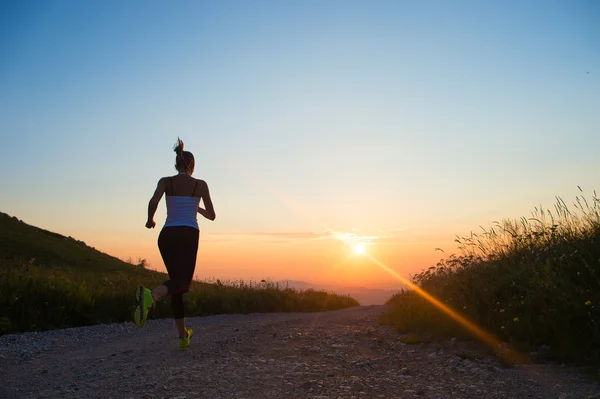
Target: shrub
[(531, 282), (34, 297)]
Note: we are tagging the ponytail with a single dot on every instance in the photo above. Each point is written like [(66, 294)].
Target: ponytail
[(185, 159), (179, 151)]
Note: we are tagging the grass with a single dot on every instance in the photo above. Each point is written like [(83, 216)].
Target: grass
[(531, 282), (50, 281)]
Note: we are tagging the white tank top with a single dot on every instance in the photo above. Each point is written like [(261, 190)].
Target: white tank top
[(182, 210)]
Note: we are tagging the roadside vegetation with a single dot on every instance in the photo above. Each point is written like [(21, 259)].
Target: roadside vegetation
[(49, 281), (532, 282)]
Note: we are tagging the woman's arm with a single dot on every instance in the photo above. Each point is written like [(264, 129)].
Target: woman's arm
[(154, 201), (209, 212)]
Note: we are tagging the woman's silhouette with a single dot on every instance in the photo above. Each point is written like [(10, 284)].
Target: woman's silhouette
[(178, 240)]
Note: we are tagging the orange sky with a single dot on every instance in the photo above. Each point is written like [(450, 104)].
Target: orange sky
[(304, 118), (316, 258)]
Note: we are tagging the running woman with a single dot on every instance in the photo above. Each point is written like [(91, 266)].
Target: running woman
[(178, 240)]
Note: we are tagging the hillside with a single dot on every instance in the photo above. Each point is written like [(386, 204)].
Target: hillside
[(21, 242), (51, 281), (533, 282)]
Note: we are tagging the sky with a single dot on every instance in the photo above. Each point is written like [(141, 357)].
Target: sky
[(316, 124)]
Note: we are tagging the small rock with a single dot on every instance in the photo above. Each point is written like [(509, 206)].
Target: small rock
[(455, 361), (298, 366), (308, 384)]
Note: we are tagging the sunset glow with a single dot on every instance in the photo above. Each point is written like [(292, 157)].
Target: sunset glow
[(328, 132), (359, 249)]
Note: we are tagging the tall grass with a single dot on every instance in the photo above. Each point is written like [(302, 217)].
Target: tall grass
[(40, 298), (50, 281), (531, 282)]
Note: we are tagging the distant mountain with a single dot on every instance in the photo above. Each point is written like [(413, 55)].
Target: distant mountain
[(365, 296)]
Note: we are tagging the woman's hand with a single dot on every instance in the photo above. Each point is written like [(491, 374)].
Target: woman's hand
[(153, 204), (209, 212), (206, 214)]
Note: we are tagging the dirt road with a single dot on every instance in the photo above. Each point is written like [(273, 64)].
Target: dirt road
[(339, 354)]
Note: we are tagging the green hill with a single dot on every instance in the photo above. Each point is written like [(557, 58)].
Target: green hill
[(50, 281), (49, 253)]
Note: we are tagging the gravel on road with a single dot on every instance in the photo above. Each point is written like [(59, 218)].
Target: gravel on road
[(328, 355)]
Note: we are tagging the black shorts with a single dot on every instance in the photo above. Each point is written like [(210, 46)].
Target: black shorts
[(178, 246)]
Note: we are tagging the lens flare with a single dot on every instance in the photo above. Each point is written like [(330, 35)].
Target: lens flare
[(468, 325), (359, 249), (473, 328)]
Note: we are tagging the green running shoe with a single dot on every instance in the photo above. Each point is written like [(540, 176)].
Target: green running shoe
[(184, 343), (143, 303)]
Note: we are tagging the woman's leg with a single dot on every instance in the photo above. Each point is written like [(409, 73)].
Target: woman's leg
[(160, 292), (172, 243), (181, 329), (179, 248), (179, 314), (167, 244), (187, 259)]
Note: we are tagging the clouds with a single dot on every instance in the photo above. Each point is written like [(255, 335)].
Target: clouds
[(351, 238), (396, 239), (290, 235)]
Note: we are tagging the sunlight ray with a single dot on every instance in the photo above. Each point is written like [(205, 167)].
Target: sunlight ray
[(473, 328)]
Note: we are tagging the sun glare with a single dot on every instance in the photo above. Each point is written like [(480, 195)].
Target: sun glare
[(359, 249)]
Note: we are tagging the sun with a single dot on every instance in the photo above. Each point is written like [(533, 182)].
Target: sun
[(359, 249)]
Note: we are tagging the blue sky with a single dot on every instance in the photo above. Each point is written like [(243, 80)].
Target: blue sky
[(430, 116)]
